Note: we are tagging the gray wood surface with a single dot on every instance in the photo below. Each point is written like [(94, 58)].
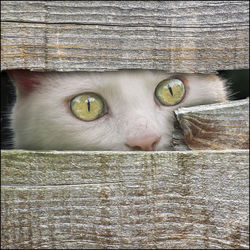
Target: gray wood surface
[(213, 126), (176, 36), (69, 200)]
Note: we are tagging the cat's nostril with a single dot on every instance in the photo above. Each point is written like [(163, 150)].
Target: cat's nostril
[(145, 143)]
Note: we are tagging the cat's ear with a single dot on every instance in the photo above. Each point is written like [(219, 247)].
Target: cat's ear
[(25, 80)]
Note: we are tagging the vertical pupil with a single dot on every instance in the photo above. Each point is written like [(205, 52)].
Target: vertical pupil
[(170, 90), (88, 105)]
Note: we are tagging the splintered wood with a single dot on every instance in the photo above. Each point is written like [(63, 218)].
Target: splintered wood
[(214, 126)]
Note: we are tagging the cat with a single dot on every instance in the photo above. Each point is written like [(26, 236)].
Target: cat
[(120, 110)]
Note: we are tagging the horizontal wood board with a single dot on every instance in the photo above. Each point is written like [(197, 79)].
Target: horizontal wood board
[(176, 36), (214, 126), (72, 200)]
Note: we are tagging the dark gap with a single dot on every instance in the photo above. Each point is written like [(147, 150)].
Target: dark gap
[(8, 97), (238, 82)]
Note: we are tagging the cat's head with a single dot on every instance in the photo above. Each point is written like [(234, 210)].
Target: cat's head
[(122, 110)]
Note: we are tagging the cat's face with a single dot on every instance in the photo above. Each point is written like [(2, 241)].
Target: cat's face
[(121, 110)]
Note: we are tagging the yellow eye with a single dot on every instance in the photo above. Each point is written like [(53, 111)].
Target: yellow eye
[(87, 106), (170, 92)]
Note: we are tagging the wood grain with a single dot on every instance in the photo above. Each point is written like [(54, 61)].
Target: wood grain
[(190, 199), (214, 126), (182, 36)]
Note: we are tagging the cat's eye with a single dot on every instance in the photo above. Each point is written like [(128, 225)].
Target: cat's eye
[(170, 92), (87, 106)]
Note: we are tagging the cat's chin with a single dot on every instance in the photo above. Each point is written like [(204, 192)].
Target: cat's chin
[(165, 147)]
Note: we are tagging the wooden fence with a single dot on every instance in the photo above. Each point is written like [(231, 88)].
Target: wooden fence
[(176, 36), (179, 199)]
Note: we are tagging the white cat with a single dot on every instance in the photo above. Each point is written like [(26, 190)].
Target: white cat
[(122, 110)]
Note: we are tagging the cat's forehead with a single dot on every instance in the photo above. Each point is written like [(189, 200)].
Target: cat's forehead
[(122, 83), (103, 79)]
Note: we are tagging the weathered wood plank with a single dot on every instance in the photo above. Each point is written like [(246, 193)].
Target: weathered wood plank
[(192, 199), (129, 13), (214, 126), (184, 36)]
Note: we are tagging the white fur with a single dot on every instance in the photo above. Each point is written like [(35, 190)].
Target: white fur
[(43, 120)]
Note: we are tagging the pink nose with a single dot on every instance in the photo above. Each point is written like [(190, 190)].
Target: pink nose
[(146, 142)]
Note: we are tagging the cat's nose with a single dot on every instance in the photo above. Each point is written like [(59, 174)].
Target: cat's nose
[(145, 143)]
